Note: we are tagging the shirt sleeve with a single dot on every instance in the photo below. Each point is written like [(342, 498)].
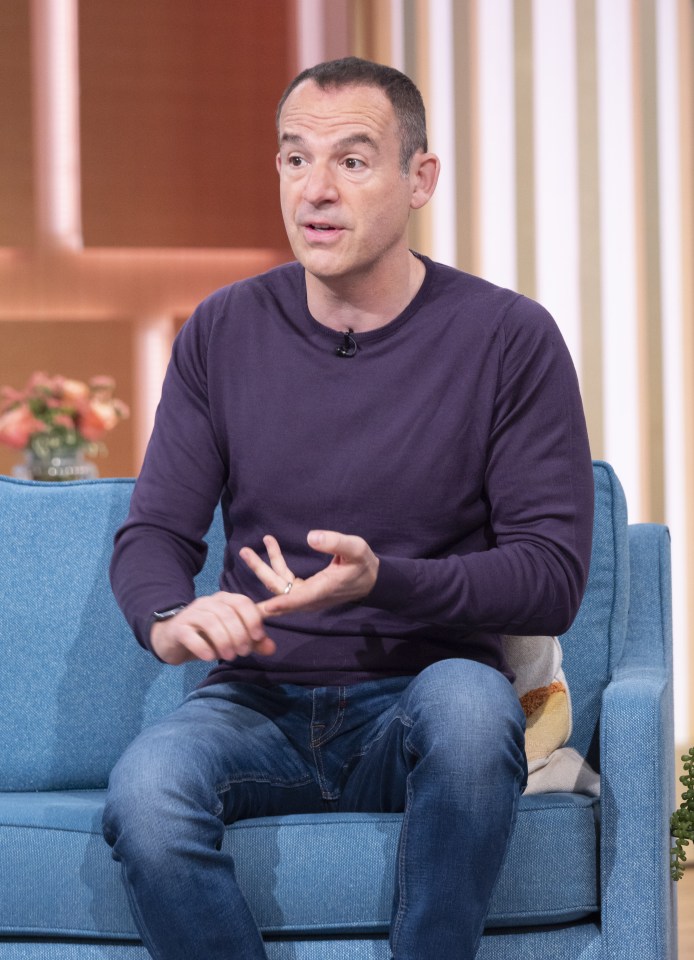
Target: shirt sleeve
[(160, 548), (539, 490)]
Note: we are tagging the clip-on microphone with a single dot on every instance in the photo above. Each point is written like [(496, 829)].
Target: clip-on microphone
[(348, 347)]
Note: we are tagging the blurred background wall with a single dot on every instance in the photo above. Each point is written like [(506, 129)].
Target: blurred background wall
[(137, 175)]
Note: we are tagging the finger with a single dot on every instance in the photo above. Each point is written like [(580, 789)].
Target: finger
[(313, 594), (277, 561), (338, 544), (265, 648), (229, 624), (172, 649), (218, 627), (242, 607), (267, 576), (212, 637), (253, 639), (200, 645), (237, 641)]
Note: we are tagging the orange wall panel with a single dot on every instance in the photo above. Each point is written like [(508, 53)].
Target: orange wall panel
[(177, 116), (16, 175)]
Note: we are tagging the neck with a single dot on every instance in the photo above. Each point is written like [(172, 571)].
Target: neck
[(364, 304)]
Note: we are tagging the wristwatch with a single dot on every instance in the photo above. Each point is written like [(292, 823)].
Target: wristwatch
[(160, 615)]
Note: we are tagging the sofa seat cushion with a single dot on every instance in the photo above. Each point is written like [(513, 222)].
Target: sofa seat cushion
[(314, 873)]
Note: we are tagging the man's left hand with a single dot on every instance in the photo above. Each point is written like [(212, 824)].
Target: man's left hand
[(350, 575)]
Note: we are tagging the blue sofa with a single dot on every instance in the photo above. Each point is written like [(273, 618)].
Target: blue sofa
[(584, 877)]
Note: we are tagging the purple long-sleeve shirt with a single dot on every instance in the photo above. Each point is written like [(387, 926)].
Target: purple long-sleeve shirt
[(453, 441)]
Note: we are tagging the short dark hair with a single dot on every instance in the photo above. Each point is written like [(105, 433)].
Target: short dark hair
[(401, 91)]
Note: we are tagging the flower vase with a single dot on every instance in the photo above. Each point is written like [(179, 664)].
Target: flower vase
[(60, 464)]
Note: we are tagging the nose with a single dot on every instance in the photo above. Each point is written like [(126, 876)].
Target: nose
[(320, 185)]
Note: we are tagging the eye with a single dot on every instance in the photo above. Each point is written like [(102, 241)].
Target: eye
[(295, 161), (353, 163)]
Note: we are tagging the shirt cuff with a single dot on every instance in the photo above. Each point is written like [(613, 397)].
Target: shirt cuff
[(395, 583)]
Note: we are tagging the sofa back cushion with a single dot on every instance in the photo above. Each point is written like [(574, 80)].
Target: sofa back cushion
[(75, 688), (593, 645)]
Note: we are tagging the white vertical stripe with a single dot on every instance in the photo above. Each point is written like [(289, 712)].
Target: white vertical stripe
[(497, 159), (672, 307), (310, 27), (397, 35), (153, 338), (55, 82), (556, 167), (442, 129), (618, 246)]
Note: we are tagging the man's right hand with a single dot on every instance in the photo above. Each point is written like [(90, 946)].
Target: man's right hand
[(222, 626)]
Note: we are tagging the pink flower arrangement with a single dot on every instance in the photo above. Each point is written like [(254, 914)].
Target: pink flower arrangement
[(53, 413)]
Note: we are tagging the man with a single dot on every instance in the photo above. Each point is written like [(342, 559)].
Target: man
[(402, 459)]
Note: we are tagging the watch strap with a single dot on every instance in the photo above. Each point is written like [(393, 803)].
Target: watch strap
[(167, 614)]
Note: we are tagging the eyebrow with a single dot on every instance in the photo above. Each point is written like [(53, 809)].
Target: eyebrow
[(356, 138), (343, 144)]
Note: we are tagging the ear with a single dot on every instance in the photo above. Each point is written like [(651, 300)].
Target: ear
[(424, 175), (278, 163)]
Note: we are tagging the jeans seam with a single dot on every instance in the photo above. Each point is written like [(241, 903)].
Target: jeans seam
[(399, 918), (137, 914), (320, 770), (226, 786), (399, 718), (316, 742), (336, 724), (255, 778)]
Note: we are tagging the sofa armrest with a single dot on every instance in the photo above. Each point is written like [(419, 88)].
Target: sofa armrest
[(637, 764)]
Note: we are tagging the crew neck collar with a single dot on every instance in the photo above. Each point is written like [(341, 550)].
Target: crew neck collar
[(380, 333)]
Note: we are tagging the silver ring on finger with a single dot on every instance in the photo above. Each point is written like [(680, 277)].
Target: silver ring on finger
[(290, 584)]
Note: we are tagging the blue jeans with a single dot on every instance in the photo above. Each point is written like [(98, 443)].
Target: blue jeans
[(446, 747)]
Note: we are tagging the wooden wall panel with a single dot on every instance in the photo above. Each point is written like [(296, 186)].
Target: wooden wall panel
[(177, 117), (16, 207)]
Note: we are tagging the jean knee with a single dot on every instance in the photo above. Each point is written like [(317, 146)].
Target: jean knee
[(464, 689), (468, 711), (127, 801), (152, 794)]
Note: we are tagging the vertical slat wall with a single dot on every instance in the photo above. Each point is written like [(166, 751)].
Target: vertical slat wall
[(570, 126)]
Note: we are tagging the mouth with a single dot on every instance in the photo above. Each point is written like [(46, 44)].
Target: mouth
[(317, 230)]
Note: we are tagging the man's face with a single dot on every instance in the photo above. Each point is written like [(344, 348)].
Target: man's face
[(345, 201)]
